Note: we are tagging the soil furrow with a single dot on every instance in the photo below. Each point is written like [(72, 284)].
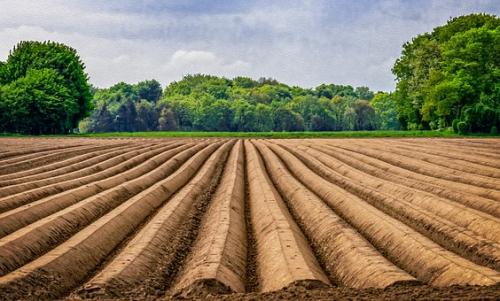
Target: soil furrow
[(37, 238), (451, 236), (7, 168), (218, 261), (451, 154), (425, 168), (455, 163), (408, 249), (360, 183), (63, 268), (407, 178), (125, 166), (434, 176), (98, 164), (141, 268), (283, 256), (348, 257), (29, 152), (65, 166)]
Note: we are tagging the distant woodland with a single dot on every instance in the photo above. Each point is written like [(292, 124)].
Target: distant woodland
[(446, 79)]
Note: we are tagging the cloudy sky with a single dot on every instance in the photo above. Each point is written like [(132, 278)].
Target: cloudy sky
[(298, 42)]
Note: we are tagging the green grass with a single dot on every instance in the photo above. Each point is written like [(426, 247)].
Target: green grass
[(346, 134), (285, 135)]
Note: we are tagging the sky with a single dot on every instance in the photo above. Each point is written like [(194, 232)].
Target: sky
[(303, 43)]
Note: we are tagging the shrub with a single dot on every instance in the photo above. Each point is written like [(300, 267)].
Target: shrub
[(454, 125), (462, 127)]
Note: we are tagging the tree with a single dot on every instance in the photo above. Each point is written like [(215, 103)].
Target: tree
[(365, 116), (147, 117), (65, 62), (125, 120), (364, 93), (263, 118), (167, 121), (450, 74), (215, 116), (243, 116), (149, 90), (210, 103), (102, 121), (287, 120), (244, 82), (38, 103), (385, 110), (468, 87)]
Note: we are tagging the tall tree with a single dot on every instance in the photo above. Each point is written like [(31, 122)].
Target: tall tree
[(450, 75), (126, 118), (167, 121), (103, 121), (149, 90), (385, 109), (64, 60), (365, 116), (38, 103)]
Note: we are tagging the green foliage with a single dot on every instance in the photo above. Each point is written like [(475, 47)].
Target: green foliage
[(44, 89), (462, 127), (209, 103), (328, 134), (167, 120), (127, 107), (385, 110), (149, 90), (365, 116), (454, 125), (452, 73), (147, 116), (38, 103)]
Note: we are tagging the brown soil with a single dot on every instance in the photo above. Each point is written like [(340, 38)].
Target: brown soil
[(226, 219)]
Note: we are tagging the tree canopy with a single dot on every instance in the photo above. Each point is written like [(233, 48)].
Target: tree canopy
[(448, 78), (451, 76), (211, 103), (43, 89)]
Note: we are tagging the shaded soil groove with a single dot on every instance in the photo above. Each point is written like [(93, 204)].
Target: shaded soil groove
[(299, 222), (283, 219), (252, 281)]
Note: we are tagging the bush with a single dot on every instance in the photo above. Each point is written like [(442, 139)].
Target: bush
[(454, 125), (494, 130), (462, 127)]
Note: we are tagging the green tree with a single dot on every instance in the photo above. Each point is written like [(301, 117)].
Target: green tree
[(215, 116), (147, 116), (365, 116), (149, 90), (167, 121), (244, 116), (126, 118), (364, 93), (442, 76), (287, 120), (385, 109), (38, 103), (263, 118), (31, 55)]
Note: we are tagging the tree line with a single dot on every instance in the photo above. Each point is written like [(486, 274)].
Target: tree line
[(446, 79), (210, 103), (451, 77)]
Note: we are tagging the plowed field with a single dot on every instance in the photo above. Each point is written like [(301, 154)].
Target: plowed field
[(243, 219)]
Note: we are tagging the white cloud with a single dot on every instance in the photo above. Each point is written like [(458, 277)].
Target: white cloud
[(298, 42), (206, 62)]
